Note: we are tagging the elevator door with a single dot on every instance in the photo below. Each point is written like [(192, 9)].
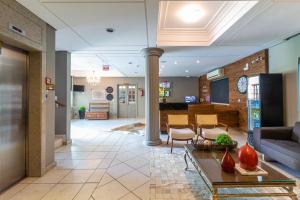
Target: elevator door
[(127, 101), (13, 105)]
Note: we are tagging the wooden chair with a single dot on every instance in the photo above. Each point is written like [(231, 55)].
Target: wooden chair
[(178, 128), (207, 125)]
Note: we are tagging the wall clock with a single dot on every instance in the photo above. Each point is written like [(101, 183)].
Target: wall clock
[(242, 84), (109, 89)]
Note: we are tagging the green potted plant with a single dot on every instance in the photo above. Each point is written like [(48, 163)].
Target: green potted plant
[(81, 112)]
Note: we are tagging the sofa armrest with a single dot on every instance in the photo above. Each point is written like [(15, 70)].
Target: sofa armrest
[(276, 133)]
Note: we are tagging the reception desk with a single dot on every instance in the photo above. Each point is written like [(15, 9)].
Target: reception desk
[(225, 114)]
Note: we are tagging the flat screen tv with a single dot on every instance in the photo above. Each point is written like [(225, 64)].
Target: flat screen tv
[(78, 88), (219, 91), (190, 99)]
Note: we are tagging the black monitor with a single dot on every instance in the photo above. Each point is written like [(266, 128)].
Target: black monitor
[(78, 88)]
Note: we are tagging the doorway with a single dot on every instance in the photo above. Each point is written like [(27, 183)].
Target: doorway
[(13, 106), (127, 101)]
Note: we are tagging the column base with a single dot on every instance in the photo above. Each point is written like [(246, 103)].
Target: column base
[(152, 143)]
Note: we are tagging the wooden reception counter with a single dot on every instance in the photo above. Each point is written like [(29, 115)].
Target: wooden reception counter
[(225, 114)]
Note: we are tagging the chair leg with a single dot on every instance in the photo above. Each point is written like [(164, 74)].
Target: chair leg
[(187, 141), (168, 139), (172, 146)]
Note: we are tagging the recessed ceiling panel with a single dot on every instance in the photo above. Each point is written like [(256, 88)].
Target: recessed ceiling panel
[(197, 23), (90, 21), (172, 14)]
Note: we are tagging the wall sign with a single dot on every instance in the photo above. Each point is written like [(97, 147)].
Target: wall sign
[(98, 95), (16, 29)]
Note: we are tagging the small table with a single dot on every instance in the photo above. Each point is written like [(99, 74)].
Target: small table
[(207, 163)]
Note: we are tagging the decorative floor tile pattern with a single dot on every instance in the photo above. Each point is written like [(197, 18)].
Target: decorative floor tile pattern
[(105, 165)]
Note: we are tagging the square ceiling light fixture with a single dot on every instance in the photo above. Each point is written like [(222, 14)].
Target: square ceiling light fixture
[(197, 23)]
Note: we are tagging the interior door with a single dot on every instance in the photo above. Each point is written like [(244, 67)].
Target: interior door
[(127, 101), (13, 105)]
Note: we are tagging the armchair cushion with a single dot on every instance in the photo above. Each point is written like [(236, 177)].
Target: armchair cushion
[(212, 133), (181, 134)]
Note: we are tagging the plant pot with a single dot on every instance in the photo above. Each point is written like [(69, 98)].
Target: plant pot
[(81, 114)]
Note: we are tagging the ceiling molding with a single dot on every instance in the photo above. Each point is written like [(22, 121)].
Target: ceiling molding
[(228, 14)]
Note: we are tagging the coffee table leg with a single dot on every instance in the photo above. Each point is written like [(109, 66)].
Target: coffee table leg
[(292, 195), (215, 194), (186, 168)]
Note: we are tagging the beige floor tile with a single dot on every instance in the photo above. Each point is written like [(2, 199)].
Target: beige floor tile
[(66, 164), (33, 192), (96, 176), (130, 196), (119, 170), (86, 191), (137, 162), (105, 163), (88, 164), (97, 155), (53, 176), (29, 180), (12, 191), (77, 176), (110, 191), (133, 180), (79, 155), (124, 156), (145, 170), (106, 178), (63, 192), (62, 155), (143, 192)]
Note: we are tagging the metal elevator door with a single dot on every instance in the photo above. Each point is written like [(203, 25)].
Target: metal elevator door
[(13, 105)]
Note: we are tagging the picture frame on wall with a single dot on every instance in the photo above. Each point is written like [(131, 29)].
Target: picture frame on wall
[(98, 95)]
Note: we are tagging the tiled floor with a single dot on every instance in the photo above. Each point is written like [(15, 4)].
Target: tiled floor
[(105, 165)]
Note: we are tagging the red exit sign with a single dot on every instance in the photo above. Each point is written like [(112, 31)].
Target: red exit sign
[(105, 67)]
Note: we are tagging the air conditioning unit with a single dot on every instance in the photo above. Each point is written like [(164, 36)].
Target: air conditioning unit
[(216, 74)]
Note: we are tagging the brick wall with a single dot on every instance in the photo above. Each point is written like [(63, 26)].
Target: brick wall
[(233, 72)]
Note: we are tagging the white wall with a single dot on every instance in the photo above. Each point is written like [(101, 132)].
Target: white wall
[(181, 87), (283, 58)]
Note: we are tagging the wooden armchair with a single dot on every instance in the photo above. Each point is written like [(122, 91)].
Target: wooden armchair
[(178, 128), (208, 126)]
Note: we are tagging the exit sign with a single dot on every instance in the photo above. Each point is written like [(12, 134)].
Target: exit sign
[(105, 67)]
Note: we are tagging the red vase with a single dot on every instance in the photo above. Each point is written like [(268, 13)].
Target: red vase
[(248, 158), (227, 163)]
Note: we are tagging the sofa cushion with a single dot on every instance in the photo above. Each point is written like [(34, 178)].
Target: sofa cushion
[(296, 132), (289, 148)]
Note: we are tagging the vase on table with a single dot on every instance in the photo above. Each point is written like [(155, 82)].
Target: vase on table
[(227, 162), (247, 157)]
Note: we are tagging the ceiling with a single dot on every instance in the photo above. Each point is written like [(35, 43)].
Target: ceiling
[(225, 32)]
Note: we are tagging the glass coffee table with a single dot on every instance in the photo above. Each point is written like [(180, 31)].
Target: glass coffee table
[(207, 163)]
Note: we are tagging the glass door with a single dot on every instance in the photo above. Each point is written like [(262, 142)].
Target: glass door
[(127, 101), (254, 110)]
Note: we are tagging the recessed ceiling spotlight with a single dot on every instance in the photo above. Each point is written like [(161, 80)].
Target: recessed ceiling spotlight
[(188, 76), (187, 71), (190, 13), (130, 63), (163, 61), (138, 66), (110, 30), (198, 61), (175, 62)]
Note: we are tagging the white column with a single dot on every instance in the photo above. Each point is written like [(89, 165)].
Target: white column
[(152, 136)]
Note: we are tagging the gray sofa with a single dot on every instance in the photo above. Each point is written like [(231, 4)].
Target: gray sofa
[(281, 144)]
